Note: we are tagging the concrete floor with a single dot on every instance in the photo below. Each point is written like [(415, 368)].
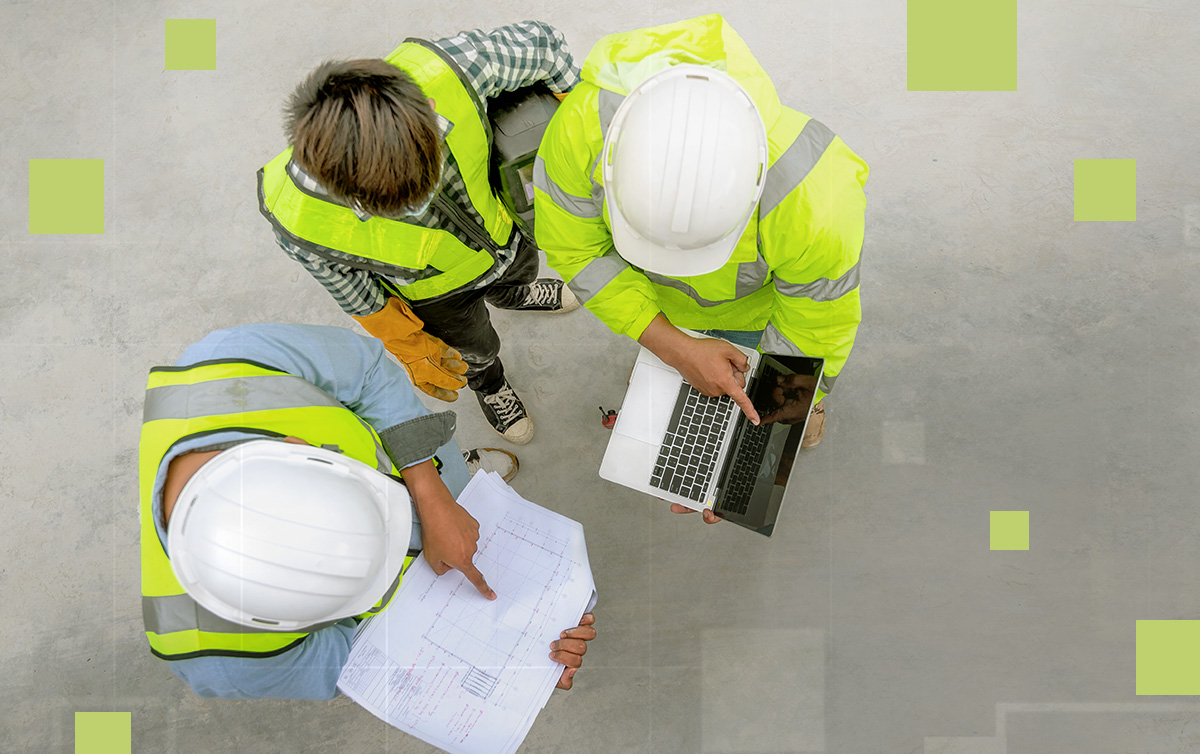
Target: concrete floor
[(1009, 358)]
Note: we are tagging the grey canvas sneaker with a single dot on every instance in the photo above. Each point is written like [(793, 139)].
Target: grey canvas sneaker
[(491, 459)]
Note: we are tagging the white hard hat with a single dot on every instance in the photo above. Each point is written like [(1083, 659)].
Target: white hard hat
[(684, 162), (284, 536)]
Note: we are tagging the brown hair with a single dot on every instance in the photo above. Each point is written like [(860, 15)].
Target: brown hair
[(365, 131)]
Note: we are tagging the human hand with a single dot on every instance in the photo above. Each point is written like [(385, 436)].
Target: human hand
[(717, 367), (449, 535), (708, 516), (792, 398), (571, 647)]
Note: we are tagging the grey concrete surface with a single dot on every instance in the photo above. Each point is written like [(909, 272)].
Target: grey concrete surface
[(1009, 358)]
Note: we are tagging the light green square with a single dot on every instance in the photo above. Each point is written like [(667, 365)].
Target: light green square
[(103, 732), (962, 45), (1168, 657), (66, 196), (1010, 530), (191, 44), (1106, 190)]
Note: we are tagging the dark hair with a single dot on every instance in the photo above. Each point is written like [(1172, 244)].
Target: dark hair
[(365, 131)]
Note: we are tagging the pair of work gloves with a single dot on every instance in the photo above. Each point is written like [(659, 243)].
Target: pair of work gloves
[(434, 367)]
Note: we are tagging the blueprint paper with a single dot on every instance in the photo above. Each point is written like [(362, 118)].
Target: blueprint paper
[(464, 673)]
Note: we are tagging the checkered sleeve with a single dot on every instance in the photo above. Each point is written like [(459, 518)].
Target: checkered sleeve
[(512, 57), (357, 291)]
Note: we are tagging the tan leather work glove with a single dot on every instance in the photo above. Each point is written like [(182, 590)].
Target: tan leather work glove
[(434, 367)]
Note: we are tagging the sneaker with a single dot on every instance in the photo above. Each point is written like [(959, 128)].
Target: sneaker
[(507, 415), (816, 427), (491, 459), (548, 295)]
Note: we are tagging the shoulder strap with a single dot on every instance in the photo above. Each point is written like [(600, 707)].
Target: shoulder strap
[(462, 77)]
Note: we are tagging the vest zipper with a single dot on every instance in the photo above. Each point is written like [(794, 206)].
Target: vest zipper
[(465, 224)]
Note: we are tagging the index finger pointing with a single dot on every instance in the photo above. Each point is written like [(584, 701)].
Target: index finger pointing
[(744, 403), (475, 577)]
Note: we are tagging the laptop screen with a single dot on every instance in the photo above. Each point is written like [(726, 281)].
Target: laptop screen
[(785, 386)]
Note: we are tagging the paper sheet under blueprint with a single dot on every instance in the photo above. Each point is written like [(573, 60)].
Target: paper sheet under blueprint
[(457, 670)]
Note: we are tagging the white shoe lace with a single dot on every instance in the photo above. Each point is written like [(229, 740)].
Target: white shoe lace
[(543, 294), (506, 405)]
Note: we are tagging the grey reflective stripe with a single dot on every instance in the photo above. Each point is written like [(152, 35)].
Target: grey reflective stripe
[(597, 189), (794, 165), (579, 206), (383, 601), (383, 463), (233, 395), (751, 276), (822, 289), (607, 105), (679, 285), (827, 382), (179, 612), (598, 273), (773, 341)]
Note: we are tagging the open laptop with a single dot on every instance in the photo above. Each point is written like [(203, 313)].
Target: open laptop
[(672, 442)]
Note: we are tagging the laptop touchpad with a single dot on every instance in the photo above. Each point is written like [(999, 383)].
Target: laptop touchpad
[(648, 403)]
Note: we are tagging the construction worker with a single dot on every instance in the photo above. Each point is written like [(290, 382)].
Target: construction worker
[(273, 514), (384, 197), (673, 189)]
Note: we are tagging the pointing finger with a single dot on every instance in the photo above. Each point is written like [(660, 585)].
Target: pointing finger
[(475, 577), (739, 397)]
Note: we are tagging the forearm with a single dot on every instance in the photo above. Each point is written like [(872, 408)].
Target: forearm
[(425, 487), (664, 340)]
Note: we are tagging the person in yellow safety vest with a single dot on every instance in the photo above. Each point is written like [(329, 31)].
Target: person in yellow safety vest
[(673, 189), (269, 454), (384, 197)]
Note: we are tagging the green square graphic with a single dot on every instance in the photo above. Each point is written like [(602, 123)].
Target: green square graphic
[(1168, 657), (1010, 530), (1106, 190), (103, 732), (66, 196), (962, 45), (191, 44)]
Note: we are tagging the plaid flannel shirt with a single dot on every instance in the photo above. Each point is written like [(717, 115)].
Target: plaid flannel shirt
[(503, 59)]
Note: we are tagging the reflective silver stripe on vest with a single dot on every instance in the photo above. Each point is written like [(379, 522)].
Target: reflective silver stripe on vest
[(598, 273), (179, 612), (773, 341), (233, 395), (579, 206), (751, 276), (794, 165), (597, 189), (822, 289), (607, 105)]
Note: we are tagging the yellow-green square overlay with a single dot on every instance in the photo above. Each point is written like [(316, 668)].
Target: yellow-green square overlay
[(1106, 190), (103, 732), (66, 196), (1168, 657), (962, 45), (191, 44), (1010, 530)]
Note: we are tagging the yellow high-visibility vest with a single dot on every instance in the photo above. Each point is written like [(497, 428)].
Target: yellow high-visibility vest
[(439, 262), (192, 401)]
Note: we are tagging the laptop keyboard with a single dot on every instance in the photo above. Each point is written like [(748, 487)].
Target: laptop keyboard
[(744, 472), (687, 457), (748, 456)]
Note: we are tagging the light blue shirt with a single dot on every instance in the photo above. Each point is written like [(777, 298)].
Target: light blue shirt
[(357, 372)]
